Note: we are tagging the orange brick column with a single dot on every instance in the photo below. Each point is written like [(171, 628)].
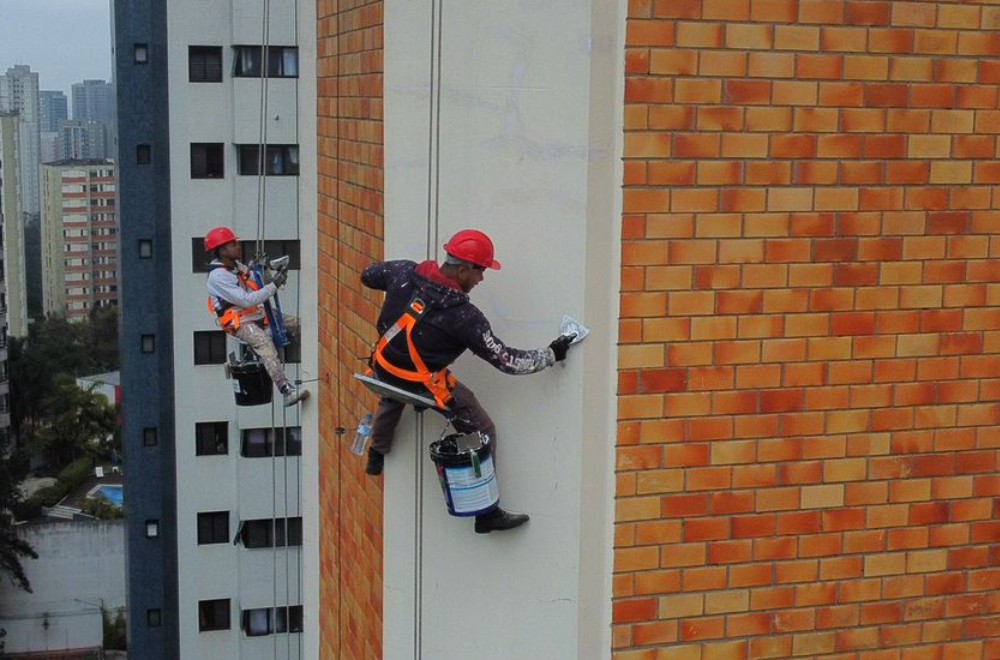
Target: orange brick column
[(349, 43), (810, 331)]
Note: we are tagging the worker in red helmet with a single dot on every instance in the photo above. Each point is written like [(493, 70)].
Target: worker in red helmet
[(236, 300), (444, 324)]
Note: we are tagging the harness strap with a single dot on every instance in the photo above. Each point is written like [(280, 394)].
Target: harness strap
[(438, 383), (230, 318)]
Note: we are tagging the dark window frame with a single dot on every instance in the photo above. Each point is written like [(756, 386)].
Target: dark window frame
[(214, 615), (208, 160), (143, 154), (213, 527), (279, 160), (252, 446), (205, 64), (154, 617), (211, 438), (275, 619), (261, 533), (209, 347), (247, 61)]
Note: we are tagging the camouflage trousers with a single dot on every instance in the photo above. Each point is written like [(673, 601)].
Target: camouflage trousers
[(259, 339)]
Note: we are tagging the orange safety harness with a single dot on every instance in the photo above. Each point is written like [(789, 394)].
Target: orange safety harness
[(438, 383), (230, 317)]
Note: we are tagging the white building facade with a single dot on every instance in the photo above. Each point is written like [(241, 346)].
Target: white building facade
[(235, 487)]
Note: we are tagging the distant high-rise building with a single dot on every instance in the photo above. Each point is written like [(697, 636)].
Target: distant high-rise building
[(79, 237), (53, 108), (92, 101), (14, 320), (50, 146), (19, 93), (83, 139)]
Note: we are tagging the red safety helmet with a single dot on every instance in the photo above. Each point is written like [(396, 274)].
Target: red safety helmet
[(473, 246), (219, 237)]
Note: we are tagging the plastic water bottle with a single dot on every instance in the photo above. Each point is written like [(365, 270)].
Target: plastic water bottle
[(364, 432)]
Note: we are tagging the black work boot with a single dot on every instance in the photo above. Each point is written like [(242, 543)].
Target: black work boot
[(376, 462), (498, 520)]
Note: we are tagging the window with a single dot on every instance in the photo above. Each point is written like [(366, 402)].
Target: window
[(205, 63), (273, 249), (148, 343), (260, 443), (279, 159), (152, 529), (282, 61), (145, 249), (207, 160), (154, 618), (267, 620), (143, 154), (149, 437), (257, 621), (270, 532), (140, 53), (213, 615), (213, 527), (211, 438), (210, 347)]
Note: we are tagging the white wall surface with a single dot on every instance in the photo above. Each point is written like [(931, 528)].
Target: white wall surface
[(524, 143), (79, 566), (229, 112)]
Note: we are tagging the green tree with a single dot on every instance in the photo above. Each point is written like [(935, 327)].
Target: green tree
[(13, 549), (56, 346), (77, 422)]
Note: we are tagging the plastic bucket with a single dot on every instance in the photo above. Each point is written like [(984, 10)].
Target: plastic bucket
[(464, 463), (251, 384)]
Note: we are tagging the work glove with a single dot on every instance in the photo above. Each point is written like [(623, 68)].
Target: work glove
[(279, 278), (561, 345)]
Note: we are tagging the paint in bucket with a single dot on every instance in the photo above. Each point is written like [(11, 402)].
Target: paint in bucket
[(251, 384), (464, 463)]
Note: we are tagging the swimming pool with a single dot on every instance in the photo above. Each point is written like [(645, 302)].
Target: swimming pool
[(113, 494)]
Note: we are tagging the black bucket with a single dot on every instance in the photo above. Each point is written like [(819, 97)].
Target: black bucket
[(251, 384), (464, 463)]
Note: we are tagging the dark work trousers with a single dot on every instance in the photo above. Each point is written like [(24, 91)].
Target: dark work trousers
[(465, 406)]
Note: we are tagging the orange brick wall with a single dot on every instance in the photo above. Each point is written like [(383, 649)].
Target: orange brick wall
[(810, 331), (349, 36)]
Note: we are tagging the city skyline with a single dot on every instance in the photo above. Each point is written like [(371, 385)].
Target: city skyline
[(64, 42)]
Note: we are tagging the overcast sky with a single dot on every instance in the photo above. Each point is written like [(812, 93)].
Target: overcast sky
[(65, 41)]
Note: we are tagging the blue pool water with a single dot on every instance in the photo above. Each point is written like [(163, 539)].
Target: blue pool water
[(112, 494)]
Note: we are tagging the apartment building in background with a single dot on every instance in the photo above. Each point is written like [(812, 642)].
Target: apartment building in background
[(11, 230), (19, 93), (53, 110), (79, 237), (223, 505)]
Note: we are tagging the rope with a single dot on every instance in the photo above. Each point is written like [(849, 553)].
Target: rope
[(433, 214), (265, 56), (418, 541)]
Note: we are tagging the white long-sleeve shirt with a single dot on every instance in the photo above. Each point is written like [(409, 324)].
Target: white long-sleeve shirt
[(227, 289)]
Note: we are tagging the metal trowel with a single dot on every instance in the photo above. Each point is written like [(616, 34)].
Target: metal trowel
[(570, 327)]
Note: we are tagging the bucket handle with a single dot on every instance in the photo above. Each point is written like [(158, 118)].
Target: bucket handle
[(474, 457)]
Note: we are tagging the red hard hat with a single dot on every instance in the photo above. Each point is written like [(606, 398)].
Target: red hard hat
[(219, 237), (473, 246)]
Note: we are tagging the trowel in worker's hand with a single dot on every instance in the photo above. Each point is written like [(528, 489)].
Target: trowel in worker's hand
[(570, 327)]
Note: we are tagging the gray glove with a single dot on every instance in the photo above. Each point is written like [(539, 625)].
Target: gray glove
[(279, 278), (561, 345)]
